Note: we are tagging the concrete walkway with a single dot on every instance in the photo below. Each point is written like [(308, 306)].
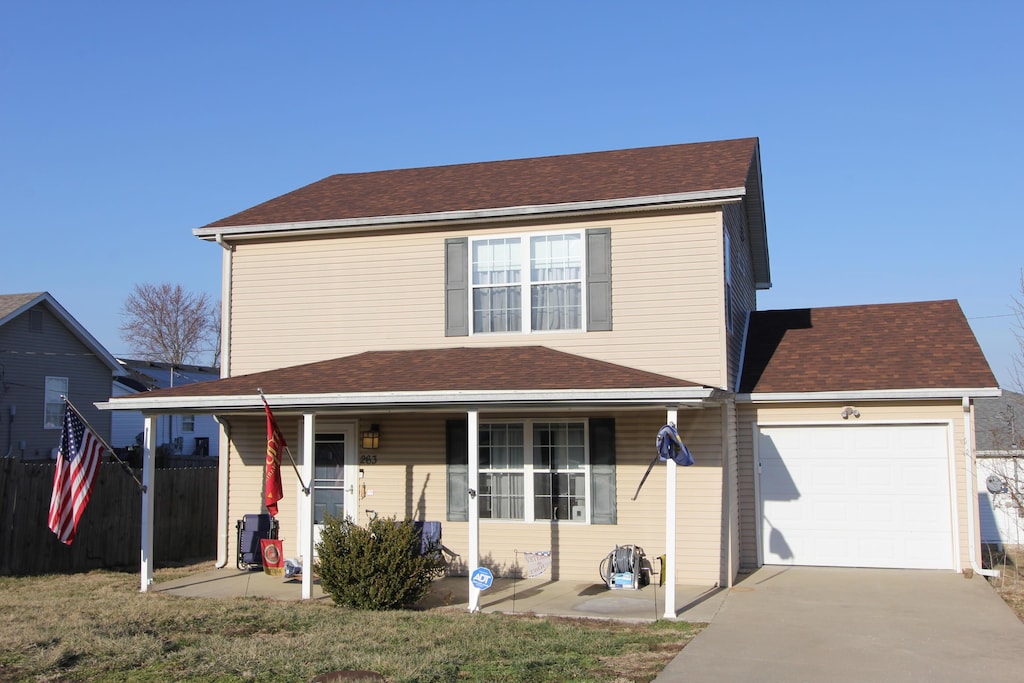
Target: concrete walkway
[(832, 624)]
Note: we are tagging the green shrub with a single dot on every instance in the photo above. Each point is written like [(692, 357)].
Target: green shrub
[(378, 567)]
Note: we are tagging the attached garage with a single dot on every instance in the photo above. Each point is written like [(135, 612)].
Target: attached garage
[(856, 495)]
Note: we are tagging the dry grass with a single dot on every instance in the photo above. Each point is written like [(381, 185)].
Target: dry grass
[(1010, 583), (98, 627)]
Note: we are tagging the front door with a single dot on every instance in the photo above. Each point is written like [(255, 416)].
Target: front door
[(334, 477)]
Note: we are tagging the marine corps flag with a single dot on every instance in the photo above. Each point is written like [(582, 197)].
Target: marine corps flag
[(272, 476)]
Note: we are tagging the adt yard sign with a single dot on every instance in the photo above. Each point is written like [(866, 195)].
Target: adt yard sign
[(482, 578)]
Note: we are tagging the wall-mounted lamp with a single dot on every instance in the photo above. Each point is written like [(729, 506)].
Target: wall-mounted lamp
[(371, 438), (848, 411)]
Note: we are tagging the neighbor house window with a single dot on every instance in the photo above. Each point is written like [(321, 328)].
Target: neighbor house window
[(527, 283), (53, 408), (188, 423)]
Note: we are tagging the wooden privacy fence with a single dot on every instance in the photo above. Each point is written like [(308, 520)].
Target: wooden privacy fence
[(109, 533)]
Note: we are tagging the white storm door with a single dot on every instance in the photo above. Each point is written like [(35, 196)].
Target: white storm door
[(334, 476), (856, 496)]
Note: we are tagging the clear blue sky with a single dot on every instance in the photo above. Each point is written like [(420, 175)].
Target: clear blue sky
[(890, 131)]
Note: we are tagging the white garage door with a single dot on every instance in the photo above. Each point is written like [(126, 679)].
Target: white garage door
[(856, 496)]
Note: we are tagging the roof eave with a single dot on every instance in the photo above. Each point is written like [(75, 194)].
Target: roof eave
[(413, 399), (867, 395), (698, 198)]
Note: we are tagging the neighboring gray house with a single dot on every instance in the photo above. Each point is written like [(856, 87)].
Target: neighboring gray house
[(44, 354), (999, 437), (195, 435)]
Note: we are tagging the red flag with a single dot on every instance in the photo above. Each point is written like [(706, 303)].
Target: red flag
[(273, 556), (78, 461), (275, 444)]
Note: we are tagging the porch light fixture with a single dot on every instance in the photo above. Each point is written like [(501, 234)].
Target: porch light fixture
[(848, 411), (371, 438)]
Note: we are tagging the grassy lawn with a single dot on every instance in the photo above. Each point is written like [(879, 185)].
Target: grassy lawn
[(1010, 583), (98, 627)]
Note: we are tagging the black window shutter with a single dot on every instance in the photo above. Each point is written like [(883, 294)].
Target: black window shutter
[(456, 448), (602, 471), (599, 279), (456, 287)]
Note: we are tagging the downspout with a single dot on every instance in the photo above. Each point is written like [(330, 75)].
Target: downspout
[(223, 528), (223, 525), (225, 306), (972, 495)]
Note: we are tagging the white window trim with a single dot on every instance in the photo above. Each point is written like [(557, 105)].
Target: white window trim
[(528, 472), (525, 283)]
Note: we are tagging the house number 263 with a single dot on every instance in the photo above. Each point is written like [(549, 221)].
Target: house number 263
[(368, 459)]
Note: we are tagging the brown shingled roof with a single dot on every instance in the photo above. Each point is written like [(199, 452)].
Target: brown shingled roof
[(534, 368), (595, 176), (926, 345)]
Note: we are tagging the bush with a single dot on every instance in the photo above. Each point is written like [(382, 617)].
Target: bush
[(377, 568)]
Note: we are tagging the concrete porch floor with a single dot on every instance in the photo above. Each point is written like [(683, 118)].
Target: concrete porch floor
[(520, 596)]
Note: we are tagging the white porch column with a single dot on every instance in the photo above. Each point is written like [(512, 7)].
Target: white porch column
[(148, 478), (473, 479), (305, 504), (670, 529)]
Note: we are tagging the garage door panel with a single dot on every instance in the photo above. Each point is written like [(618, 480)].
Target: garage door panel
[(869, 495)]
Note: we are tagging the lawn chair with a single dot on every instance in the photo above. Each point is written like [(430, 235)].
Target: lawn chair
[(252, 529)]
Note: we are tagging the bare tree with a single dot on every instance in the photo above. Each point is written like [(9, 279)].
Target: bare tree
[(167, 323)]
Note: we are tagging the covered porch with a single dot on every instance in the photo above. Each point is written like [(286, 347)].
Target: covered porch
[(416, 391)]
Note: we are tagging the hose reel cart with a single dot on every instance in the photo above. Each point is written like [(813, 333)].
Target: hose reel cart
[(625, 567)]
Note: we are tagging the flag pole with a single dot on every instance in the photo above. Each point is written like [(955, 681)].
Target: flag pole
[(124, 465), (646, 474), (305, 489)]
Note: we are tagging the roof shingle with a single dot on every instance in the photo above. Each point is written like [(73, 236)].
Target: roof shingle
[(926, 345), (539, 181), (535, 368)]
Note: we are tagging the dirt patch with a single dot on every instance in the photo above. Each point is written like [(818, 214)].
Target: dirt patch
[(1010, 583)]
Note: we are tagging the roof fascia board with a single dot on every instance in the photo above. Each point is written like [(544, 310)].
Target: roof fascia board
[(869, 395), (411, 398), (704, 197)]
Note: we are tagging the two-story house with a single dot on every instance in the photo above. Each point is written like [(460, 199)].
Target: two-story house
[(45, 354), (496, 345)]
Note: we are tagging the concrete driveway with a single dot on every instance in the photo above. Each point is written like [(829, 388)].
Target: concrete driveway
[(835, 624)]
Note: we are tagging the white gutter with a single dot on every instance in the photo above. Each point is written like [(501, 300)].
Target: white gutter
[(711, 197), (868, 395), (972, 495), (225, 306), (653, 396)]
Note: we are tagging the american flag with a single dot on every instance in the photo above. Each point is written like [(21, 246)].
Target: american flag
[(78, 461)]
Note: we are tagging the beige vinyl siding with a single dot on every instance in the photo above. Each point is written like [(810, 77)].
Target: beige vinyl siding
[(409, 480), (301, 301), (824, 413)]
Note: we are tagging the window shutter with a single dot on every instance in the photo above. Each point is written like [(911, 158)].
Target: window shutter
[(599, 279), (456, 446), (602, 471), (456, 287)]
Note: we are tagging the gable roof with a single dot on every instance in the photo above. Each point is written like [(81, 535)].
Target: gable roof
[(440, 376), (14, 305), (884, 347), (571, 183)]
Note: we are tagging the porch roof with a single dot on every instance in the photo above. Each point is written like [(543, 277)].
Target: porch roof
[(445, 377)]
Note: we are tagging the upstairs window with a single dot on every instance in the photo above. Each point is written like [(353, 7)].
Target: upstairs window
[(535, 278)]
